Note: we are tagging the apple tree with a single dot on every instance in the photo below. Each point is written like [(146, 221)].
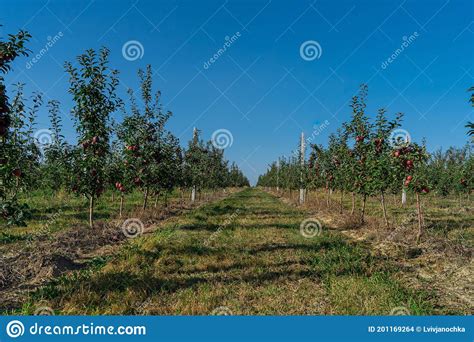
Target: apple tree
[(11, 211), (93, 86)]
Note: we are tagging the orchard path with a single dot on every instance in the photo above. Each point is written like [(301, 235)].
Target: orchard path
[(242, 255)]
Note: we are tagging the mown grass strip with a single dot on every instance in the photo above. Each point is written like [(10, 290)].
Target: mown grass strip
[(256, 262)]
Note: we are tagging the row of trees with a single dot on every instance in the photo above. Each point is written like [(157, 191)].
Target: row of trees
[(138, 153), (369, 158), (11, 139)]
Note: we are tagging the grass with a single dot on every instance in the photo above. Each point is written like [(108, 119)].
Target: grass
[(244, 253), (55, 212)]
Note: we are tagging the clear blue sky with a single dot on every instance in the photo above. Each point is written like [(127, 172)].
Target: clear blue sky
[(261, 89)]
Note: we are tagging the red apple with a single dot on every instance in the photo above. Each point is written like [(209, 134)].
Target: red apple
[(409, 178), (132, 148), (4, 120), (16, 172), (3, 109), (85, 144), (7, 57)]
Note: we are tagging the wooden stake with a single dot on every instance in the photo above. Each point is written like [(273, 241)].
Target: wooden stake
[(302, 157)]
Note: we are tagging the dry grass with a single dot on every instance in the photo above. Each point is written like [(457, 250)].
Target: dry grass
[(441, 262), (31, 258)]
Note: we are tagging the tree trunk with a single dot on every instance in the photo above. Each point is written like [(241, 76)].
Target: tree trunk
[(302, 196), (404, 196), (121, 205), (341, 202), (91, 211), (145, 198), (362, 216), (193, 194), (155, 203), (353, 203), (302, 160), (420, 217), (316, 197), (327, 197), (384, 209)]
